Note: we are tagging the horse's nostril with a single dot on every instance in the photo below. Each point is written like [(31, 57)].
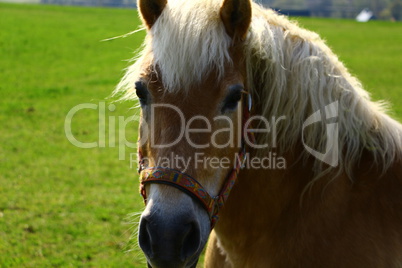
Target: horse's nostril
[(144, 238), (191, 241), (170, 243)]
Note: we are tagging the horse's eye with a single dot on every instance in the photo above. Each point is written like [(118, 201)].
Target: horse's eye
[(232, 99), (142, 92)]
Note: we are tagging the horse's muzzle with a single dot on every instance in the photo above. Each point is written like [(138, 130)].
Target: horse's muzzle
[(170, 244)]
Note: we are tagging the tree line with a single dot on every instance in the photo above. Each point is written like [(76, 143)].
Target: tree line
[(382, 9)]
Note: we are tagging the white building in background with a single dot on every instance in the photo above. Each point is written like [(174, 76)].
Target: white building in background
[(365, 15)]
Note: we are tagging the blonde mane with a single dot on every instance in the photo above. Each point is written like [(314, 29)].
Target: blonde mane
[(290, 71)]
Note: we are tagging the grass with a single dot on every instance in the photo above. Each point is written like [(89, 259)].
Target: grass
[(62, 206)]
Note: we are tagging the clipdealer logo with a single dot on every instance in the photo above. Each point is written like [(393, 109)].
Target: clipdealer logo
[(266, 127)]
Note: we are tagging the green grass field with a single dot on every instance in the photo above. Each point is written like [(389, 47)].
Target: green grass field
[(62, 206)]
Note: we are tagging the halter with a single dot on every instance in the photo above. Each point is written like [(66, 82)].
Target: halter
[(189, 185)]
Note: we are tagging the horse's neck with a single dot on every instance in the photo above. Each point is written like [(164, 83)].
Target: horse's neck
[(266, 205), (298, 186), (272, 209)]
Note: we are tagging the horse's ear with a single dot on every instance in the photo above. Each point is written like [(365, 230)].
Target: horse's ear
[(151, 10), (236, 16)]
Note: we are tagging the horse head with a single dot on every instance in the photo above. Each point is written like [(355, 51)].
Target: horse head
[(190, 86)]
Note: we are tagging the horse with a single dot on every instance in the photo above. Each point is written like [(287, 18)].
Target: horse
[(256, 143)]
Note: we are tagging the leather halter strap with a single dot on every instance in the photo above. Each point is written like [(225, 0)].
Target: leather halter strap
[(189, 185)]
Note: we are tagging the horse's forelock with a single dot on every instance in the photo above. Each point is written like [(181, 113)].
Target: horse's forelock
[(188, 41)]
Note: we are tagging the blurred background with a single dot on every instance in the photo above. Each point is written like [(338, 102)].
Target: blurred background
[(65, 206), (379, 9)]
